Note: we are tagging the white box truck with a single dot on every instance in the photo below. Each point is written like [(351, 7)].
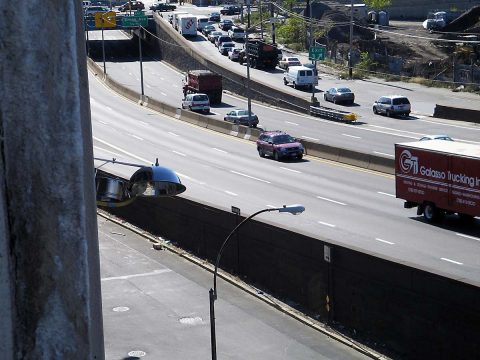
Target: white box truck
[(187, 25), (175, 16)]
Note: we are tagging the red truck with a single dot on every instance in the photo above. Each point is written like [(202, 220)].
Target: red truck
[(438, 177), (204, 82)]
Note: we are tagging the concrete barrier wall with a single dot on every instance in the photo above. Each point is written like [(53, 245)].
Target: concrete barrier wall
[(404, 312), (453, 113)]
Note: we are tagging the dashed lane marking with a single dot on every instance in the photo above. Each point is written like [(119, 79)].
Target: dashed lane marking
[(332, 201)]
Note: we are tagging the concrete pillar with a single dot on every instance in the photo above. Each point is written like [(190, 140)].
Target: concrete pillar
[(50, 298)]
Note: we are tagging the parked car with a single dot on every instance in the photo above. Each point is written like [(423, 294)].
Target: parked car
[(230, 10), (221, 39), (163, 7), (288, 61), (213, 35), (240, 116), (214, 16), (338, 95), (225, 46), (279, 145), (392, 105), (225, 24), (132, 5), (92, 10), (234, 54), (436, 137), (236, 33), (207, 29), (196, 102)]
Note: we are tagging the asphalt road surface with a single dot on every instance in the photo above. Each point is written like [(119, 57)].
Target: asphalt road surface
[(345, 205), (372, 134), (156, 306)]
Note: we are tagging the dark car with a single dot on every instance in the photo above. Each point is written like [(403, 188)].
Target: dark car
[(207, 29), (240, 116), (230, 10), (221, 39), (338, 95), (225, 24), (132, 5), (279, 145), (92, 10), (214, 16), (162, 7)]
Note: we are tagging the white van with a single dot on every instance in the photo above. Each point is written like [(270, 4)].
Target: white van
[(300, 76), (202, 20)]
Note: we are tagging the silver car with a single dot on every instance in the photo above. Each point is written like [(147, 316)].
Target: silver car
[(240, 116), (392, 105), (338, 95)]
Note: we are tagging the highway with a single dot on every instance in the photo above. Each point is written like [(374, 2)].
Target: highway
[(372, 134), (345, 205)]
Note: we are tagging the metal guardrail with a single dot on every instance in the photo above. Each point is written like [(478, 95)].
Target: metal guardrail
[(331, 114)]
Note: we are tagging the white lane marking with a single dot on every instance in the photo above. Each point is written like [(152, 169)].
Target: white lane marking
[(126, 277), (327, 224), (103, 122), (401, 131), (451, 261), (250, 177), (295, 171), (385, 241), (175, 85), (291, 123), (309, 138), (220, 150), (163, 93), (381, 153), (330, 200), (148, 162), (108, 108), (468, 236), (144, 123), (384, 193), (451, 125), (352, 136), (161, 78), (102, 149), (231, 193), (136, 137), (171, 133), (178, 153)]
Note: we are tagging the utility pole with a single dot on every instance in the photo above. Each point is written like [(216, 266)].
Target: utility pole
[(350, 69), (273, 23)]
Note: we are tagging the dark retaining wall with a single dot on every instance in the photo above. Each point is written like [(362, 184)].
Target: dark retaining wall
[(453, 113), (401, 311)]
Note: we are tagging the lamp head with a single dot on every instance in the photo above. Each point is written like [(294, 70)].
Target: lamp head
[(155, 181), (292, 209)]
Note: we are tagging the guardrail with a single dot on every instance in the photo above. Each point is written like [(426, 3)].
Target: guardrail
[(332, 114)]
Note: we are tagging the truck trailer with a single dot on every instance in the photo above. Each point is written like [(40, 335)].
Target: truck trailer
[(205, 82), (438, 177), (187, 25)]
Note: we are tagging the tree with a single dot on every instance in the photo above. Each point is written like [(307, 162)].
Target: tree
[(378, 4)]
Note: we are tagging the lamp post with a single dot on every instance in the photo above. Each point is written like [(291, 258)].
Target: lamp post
[(350, 70), (292, 209)]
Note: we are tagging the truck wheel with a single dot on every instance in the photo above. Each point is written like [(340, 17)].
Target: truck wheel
[(285, 81), (466, 218), (294, 85), (261, 153), (387, 113), (431, 213)]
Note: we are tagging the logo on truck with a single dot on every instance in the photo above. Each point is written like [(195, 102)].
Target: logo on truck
[(408, 162), (189, 24)]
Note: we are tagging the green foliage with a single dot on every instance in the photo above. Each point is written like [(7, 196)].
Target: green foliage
[(378, 4), (293, 31)]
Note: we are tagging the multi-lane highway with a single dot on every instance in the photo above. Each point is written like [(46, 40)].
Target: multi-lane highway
[(373, 133), (345, 205)]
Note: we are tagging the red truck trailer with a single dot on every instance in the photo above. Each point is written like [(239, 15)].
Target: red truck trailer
[(205, 82), (438, 177)]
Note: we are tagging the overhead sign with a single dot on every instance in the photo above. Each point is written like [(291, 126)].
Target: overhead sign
[(105, 19), (316, 53), (138, 19)]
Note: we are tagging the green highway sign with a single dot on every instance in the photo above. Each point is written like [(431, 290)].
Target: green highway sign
[(138, 19), (316, 53)]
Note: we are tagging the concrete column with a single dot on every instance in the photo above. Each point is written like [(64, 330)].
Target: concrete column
[(50, 298)]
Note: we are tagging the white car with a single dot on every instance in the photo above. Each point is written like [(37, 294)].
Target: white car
[(224, 47), (234, 54), (236, 33)]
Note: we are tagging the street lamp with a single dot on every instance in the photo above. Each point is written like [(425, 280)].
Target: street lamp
[(292, 209), (152, 180)]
